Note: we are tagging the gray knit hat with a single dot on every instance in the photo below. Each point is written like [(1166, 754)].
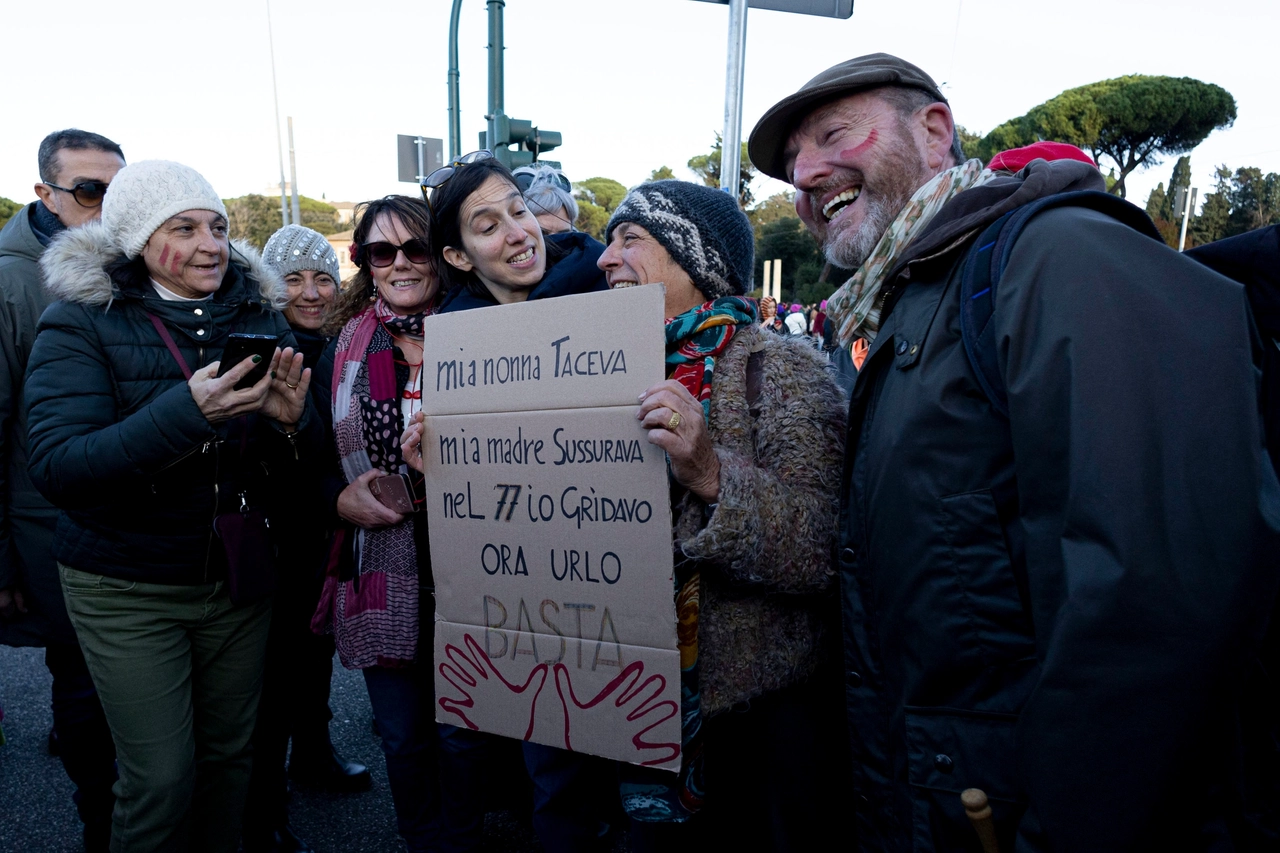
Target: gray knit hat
[(145, 194), (702, 228), (296, 247)]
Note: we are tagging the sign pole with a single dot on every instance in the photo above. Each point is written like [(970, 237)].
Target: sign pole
[(736, 62), (1186, 215), (455, 111), (271, 42)]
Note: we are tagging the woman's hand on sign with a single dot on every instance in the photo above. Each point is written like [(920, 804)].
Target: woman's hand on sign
[(411, 443), (675, 423), (358, 505)]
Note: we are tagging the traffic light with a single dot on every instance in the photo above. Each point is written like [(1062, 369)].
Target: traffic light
[(529, 141)]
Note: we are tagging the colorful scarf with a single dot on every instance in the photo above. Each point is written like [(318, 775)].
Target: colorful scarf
[(375, 613), (855, 307), (695, 340)]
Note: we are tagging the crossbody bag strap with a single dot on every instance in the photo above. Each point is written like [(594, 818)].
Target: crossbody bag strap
[(186, 371), (169, 342)]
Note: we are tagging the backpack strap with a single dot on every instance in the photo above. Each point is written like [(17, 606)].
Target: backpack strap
[(985, 264)]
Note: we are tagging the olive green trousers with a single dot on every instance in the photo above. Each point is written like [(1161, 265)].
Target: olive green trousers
[(179, 671)]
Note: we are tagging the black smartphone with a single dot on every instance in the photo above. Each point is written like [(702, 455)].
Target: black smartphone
[(239, 347)]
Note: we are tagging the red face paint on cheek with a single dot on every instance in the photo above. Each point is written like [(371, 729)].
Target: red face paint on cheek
[(173, 267), (164, 255), (862, 146)]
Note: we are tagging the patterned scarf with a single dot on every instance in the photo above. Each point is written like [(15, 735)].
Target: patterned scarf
[(374, 614), (855, 307), (695, 340)]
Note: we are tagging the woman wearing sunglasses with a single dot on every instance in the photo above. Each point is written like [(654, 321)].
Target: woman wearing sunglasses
[(490, 250), (377, 593)]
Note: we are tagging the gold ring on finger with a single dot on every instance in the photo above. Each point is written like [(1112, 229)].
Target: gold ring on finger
[(675, 421), (293, 387)]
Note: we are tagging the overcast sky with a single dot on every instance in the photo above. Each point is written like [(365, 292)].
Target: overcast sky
[(632, 84)]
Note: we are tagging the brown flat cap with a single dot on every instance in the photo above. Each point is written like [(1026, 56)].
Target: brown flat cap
[(859, 74)]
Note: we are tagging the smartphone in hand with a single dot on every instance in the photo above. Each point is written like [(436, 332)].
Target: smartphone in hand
[(241, 346), (394, 492)]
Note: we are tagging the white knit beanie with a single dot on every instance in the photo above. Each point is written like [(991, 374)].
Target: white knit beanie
[(145, 194)]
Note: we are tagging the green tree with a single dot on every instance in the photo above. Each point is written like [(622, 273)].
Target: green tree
[(1133, 120), (8, 208), (787, 239), (1255, 200), (1241, 201), (662, 173), (707, 167), (1160, 203), (970, 143), (256, 217), (775, 207), (597, 199), (318, 215)]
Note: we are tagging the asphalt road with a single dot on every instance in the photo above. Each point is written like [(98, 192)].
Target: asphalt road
[(37, 815)]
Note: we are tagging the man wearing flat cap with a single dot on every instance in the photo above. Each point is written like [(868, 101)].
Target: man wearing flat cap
[(1059, 527)]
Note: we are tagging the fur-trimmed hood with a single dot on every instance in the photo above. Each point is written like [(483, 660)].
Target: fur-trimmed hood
[(76, 268)]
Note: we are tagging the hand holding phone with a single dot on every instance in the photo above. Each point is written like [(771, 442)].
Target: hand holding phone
[(395, 492), (242, 346)]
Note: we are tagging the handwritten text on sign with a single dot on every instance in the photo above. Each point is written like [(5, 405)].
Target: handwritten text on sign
[(551, 526)]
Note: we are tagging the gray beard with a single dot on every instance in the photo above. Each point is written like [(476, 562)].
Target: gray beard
[(850, 251)]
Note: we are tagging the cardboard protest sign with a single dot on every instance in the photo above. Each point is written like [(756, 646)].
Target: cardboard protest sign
[(550, 523)]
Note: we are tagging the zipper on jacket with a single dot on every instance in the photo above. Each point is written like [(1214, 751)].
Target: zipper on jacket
[(209, 546)]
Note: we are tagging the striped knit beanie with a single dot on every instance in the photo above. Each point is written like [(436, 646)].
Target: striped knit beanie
[(296, 247), (702, 228)]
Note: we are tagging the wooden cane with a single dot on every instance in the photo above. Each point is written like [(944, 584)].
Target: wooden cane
[(975, 805)]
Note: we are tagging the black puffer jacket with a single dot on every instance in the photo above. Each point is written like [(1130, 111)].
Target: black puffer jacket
[(117, 441), (1060, 607)]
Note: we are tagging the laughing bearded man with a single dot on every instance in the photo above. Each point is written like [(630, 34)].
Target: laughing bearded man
[(1054, 591)]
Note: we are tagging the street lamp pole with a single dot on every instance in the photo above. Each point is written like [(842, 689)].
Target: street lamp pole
[(284, 204), (731, 140)]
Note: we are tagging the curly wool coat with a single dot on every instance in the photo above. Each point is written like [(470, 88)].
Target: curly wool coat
[(766, 611)]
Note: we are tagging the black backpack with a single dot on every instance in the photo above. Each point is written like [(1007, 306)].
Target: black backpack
[(986, 262)]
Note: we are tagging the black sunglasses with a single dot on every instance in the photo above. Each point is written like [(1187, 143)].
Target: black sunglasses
[(524, 180), (383, 254), (441, 176), (86, 193)]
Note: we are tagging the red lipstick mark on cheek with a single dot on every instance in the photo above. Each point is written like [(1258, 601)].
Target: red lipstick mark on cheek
[(177, 256), (862, 146), (164, 255)]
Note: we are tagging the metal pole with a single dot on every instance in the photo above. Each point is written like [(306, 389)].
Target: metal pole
[(1186, 215), (495, 69), (422, 166), (284, 205), (731, 140), (293, 177), (455, 110)]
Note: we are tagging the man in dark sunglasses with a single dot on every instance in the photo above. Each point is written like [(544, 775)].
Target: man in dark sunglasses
[(75, 169)]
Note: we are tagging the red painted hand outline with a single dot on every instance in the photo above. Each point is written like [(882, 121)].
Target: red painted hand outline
[(485, 693), (640, 699)]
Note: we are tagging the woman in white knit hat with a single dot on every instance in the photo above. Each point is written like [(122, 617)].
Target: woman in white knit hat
[(160, 468)]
